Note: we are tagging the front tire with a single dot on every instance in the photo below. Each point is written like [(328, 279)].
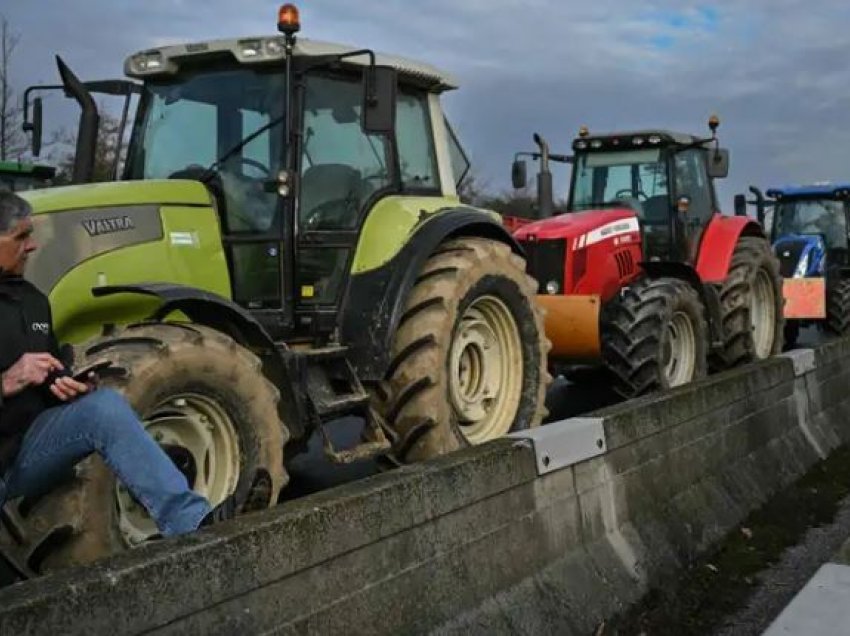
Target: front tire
[(468, 359), (655, 337), (205, 400)]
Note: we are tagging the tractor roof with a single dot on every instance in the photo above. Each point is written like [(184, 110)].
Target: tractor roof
[(822, 190), (621, 140), (264, 50)]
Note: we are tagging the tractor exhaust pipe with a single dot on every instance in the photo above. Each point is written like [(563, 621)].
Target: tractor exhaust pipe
[(759, 202), (545, 192), (88, 127)]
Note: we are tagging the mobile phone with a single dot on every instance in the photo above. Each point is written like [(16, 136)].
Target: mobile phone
[(82, 375)]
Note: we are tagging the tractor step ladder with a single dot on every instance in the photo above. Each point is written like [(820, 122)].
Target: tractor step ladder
[(336, 391)]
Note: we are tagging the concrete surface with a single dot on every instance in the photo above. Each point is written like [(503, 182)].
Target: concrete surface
[(822, 608)]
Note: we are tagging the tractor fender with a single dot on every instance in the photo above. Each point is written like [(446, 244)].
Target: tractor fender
[(718, 244), (708, 293), (224, 315), (203, 307), (375, 300)]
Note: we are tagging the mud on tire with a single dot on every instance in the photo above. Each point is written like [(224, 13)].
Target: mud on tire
[(838, 308), (747, 335), (655, 326), (468, 360), (173, 370)]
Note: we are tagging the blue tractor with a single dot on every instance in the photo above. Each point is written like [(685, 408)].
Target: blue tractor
[(809, 230)]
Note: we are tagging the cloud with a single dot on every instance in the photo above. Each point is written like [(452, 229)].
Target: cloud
[(774, 70)]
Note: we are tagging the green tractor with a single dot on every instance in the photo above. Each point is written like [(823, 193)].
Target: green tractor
[(285, 248), (17, 176)]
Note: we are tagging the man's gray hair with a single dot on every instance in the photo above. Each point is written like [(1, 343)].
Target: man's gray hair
[(12, 209)]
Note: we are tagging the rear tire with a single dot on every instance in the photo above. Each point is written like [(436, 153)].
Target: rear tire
[(751, 304), (199, 393), (655, 337), (838, 308), (468, 360)]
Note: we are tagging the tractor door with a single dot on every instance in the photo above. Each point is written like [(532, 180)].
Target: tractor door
[(691, 180), (343, 170)]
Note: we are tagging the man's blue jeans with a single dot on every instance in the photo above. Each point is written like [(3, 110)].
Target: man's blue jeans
[(103, 422)]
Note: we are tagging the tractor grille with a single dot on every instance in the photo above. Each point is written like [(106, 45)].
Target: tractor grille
[(789, 253), (625, 263), (546, 261)]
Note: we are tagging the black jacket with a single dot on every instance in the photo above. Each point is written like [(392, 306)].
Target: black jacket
[(26, 326)]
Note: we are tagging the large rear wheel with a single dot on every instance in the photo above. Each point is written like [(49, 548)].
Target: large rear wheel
[(751, 305), (206, 401), (654, 337), (469, 356)]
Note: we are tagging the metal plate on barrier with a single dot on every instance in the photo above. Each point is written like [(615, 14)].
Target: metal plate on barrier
[(802, 359), (566, 442)]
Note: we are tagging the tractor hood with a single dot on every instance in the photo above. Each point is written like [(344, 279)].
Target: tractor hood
[(574, 224), (79, 224), (118, 194)]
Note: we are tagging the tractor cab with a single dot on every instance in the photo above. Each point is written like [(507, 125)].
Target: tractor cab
[(809, 228), (665, 178)]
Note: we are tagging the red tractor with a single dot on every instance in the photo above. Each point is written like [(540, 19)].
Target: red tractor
[(642, 272)]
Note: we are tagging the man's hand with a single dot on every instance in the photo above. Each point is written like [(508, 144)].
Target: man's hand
[(31, 369), (67, 388)]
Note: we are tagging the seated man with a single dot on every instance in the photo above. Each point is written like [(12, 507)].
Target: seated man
[(49, 421)]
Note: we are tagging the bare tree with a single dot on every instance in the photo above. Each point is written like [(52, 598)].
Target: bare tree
[(12, 139)]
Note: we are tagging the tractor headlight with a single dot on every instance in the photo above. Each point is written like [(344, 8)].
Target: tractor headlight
[(264, 50), (250, 48), (150, 63), (802, 266), (552, 288)]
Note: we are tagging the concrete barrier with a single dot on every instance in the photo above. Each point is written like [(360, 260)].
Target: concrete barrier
[(553, 531)]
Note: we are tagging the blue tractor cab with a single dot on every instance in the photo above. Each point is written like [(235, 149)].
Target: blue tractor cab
[(809, 231)]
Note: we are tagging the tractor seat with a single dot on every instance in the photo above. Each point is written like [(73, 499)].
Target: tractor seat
[(330, 197)]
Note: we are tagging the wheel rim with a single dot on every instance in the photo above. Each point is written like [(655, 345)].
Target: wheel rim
[(679, 350), (763, 314), (485, 370), (201, 440)]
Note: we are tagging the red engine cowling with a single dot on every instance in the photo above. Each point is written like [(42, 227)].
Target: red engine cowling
[(586, 253), (580, 260)]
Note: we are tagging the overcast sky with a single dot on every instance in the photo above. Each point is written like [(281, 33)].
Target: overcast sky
[(776, 71)]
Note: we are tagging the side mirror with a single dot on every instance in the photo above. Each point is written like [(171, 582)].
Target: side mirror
[(519, 174), (718, 163), (380, 88), (740, 205), (36, 126)]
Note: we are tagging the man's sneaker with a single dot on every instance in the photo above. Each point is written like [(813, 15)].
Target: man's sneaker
[(222, 512)]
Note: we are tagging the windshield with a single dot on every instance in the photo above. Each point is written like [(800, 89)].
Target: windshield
[(813, 216), (635, 178), (193, 120)]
